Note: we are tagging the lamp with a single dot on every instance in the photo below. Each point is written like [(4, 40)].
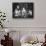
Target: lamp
[(7, 31)]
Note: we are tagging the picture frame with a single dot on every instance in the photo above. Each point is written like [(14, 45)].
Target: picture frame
[(22, 10)]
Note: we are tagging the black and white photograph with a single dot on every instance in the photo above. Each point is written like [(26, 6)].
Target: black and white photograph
[(22, 10)]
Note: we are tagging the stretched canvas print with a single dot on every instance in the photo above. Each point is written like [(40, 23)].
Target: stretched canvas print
[(22, 10)]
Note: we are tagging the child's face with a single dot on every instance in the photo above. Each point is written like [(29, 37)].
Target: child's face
[(18, 7)]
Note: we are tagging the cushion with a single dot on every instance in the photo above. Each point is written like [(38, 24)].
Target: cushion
[(26, 39)]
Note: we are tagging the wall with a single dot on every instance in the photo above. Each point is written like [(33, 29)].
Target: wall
[(38, 23), (39, 19)]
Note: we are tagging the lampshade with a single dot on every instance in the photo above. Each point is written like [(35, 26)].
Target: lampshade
[(7, 30)]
